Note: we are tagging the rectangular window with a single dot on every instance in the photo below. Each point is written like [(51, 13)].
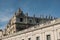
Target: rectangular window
[(29, 38), (37, 38), (37, 20), (48, 37), (22, 39), (30, 21), (21, 19)]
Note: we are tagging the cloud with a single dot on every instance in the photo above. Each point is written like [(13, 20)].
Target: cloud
[(4, 19), (5, 16), (2, 27)]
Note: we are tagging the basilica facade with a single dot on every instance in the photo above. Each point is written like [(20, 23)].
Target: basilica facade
[(21, 21), (46, 31), (24, 27)]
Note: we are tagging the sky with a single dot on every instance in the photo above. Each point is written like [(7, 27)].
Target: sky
[(37, 7)]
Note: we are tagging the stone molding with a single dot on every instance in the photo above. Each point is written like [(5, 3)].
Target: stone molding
[(36, 27)]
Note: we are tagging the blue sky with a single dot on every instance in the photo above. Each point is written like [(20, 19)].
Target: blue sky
[(38, 7)]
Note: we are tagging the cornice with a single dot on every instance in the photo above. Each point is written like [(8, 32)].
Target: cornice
[(36, 27)]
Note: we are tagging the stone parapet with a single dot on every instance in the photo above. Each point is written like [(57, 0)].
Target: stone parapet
[(36, 27)]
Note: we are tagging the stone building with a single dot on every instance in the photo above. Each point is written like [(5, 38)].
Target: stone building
[(1, 33), (21, 21), (45, 31)]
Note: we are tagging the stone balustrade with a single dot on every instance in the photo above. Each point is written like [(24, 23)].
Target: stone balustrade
[(40, 26)]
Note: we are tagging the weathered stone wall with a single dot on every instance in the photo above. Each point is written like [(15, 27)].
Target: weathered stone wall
[(1, 34), (51, 28)]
